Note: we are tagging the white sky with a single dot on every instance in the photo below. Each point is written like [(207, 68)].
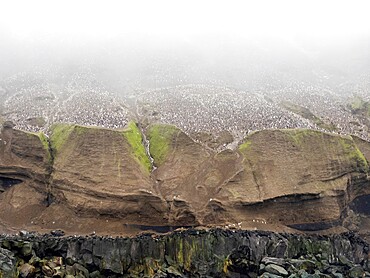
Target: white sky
[(110, 18)]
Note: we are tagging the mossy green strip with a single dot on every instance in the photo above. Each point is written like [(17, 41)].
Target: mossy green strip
[(80, 130), (298, 136), (44, 140), (245, 146), (60, 135), (354, 152), (135, 139), (160, 137), (45, 143)]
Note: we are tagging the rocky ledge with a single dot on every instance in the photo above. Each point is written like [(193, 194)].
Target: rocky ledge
[(186, 253)]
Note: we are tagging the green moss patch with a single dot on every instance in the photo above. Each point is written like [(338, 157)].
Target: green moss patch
[(135, 139), (354, 152), (44, 140), (62, 132), (160, 137), (245, 146), (304, 138), (59, 135), (298, 136), (349, 147), (45, 143)]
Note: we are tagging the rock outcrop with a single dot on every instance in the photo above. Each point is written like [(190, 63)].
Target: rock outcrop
[(299, 179), (191, 253)]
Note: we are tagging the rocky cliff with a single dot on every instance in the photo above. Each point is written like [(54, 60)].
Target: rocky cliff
[(86, 179), (190, 253)]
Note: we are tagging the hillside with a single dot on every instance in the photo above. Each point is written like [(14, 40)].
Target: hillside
[(87, 179)]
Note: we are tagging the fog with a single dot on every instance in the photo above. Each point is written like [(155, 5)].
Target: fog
[(107, 19), (144, 55), (217, 38)]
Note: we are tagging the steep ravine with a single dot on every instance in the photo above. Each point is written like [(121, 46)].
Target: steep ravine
[(146, 144)]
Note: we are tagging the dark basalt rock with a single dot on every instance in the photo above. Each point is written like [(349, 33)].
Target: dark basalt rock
[(187, 253), (8, 124), (7, 263), (57, 233)]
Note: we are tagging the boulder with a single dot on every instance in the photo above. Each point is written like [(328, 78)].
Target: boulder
[(26, 270), (356, 271), (7, 263), (276, 269)]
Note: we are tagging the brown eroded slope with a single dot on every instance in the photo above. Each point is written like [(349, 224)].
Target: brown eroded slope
[(99, 180), (291, 177), (24, 156), (188, 174), (105, 172), (95, 179), (295, 177), (25, 167)]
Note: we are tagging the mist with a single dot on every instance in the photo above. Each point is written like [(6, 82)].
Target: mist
[(145, 55), (218, 39)]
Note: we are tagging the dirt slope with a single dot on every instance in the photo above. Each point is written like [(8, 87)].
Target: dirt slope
[(86, 179), (295, 177), (104, 172)]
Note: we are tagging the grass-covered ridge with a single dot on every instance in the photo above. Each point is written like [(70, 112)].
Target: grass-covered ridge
[(303, 139), (160, 137), (354, 152), (68, 134), (299, 135), (135, 139), (349, 147), (62, 132)]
